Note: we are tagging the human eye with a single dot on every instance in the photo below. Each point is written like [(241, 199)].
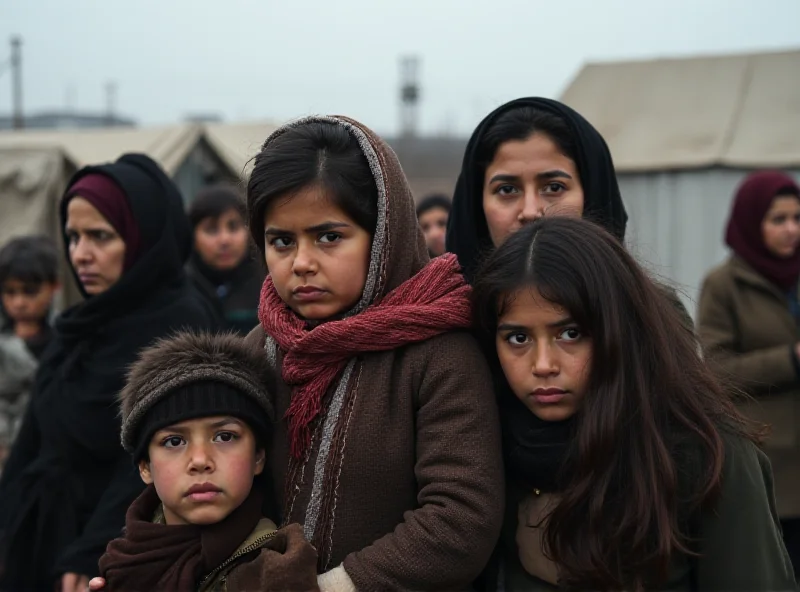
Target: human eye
[(172, 441), (102, 236), (570, 334), (329, 237), (554, 188), (72, 237), (505, 190), (516, 339), (226, 437), (281, 242)]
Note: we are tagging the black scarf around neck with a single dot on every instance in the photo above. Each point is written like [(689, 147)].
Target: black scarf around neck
[(534, 450)]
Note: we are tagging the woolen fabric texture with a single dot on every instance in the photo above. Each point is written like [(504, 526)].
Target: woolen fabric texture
[(110, 200), (192, 375), (402, 479), (467, 231), (68, 483), (153, 556), (432, 302), (196, 400), (744, 232)]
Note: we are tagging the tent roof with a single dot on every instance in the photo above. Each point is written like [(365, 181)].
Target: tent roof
[(736, 110), (238, 143), (168, 145)]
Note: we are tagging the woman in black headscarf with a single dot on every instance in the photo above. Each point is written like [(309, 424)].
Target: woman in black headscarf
[(528, 158), (68, 482)]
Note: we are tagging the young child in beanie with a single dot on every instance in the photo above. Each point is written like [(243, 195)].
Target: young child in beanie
[(197, 418)]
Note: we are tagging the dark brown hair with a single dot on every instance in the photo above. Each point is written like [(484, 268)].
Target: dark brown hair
[(312, 153), (648, 452), (214, 201)]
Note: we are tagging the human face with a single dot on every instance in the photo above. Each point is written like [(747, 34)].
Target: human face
[(317, 255), (526, 180), (96, 251), (434, 227), (202, 468), (27, 302), (781, 226), (545, 356), (222, 242)]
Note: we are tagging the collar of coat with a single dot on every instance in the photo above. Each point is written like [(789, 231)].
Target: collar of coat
[(742, 271)]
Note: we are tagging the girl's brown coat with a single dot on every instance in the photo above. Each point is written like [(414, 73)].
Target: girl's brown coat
[(404, 479)]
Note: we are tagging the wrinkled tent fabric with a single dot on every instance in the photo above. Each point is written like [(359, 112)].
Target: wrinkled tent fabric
[(740, 111)]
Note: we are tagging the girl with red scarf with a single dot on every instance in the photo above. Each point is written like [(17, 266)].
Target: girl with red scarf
[(749, 323), (388, 448)]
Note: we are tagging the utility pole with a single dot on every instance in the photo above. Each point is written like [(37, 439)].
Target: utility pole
[(409, 95), (16, 82)]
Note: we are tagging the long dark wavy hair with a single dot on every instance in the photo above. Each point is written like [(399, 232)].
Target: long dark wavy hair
[(647, 452)]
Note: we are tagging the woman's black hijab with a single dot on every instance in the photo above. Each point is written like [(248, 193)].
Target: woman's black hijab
[(534, 450), (165, 236), (467, 232)]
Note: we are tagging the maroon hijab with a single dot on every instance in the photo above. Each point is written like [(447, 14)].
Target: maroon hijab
[(751, 204), (109, 199)]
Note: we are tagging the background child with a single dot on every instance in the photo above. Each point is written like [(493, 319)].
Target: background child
[(629, 467), (28, 283), (432, 214), (197, 419), (222, 265)]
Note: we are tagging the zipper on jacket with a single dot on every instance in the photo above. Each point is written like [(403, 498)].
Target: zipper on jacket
[(248, 549)]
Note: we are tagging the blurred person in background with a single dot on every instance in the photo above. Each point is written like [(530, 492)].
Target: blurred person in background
[(222, 266), (432, 214), (28, 283), (749, 325), (67, 482)]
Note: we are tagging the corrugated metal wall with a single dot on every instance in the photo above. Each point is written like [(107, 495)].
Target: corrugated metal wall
[(677, 223)]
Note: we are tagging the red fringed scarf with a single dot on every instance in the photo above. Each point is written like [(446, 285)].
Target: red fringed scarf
[(434, 301)]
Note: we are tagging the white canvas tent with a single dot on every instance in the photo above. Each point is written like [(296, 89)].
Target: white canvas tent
[(683, 134)]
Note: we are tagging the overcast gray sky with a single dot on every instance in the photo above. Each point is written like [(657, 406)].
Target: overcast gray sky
[(270, 59)]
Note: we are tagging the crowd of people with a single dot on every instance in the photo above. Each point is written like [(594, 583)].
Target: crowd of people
[(325, 384)]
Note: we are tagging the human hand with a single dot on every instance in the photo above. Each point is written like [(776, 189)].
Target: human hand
[(97, 584), (72, 582)]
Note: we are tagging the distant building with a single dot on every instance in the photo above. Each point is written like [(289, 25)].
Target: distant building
[(67, 120), (431, 163), (203, 118)]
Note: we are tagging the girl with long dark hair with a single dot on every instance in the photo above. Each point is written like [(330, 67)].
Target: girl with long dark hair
[(629, 467)]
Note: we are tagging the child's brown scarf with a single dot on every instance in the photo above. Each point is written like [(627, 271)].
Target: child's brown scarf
[(434, 301), (159, 557)]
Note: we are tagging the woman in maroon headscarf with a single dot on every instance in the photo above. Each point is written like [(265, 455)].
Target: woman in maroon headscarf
[(749, 324), (68, 482)]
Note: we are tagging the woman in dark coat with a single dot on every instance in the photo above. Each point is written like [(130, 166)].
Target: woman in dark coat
[(68, 482)]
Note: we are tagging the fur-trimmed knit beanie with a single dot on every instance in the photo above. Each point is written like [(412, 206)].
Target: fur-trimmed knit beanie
[(193, 375)]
